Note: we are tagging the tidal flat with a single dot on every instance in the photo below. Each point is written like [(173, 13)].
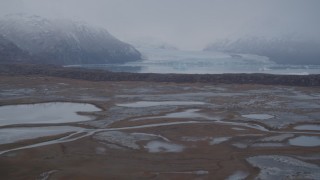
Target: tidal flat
[(156, 130)]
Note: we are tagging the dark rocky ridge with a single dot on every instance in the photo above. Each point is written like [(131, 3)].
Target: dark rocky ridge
[(64, 42), (100, 75)]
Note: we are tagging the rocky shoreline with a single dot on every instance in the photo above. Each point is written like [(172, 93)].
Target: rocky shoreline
[(101, 75)]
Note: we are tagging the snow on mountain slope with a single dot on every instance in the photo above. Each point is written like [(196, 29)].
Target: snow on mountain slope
[(9, 52), (65, 42), (281, 50)]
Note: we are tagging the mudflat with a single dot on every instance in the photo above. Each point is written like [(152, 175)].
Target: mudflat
[(159, 130)]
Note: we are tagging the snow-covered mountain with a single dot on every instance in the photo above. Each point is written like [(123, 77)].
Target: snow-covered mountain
[(280, 50), (9, 52), (65, 42)]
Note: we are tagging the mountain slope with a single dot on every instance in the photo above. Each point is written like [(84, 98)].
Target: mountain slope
[(9, 52), (281, 50), (65, 42)]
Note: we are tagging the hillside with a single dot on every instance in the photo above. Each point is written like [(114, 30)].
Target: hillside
[(280, 50), (65, 42), (9, 52)]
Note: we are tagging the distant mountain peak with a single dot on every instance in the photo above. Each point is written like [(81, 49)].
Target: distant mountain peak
[(64, 42), (283, 50), (10, 53)]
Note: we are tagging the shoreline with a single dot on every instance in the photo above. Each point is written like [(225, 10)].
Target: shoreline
[(103, 75)]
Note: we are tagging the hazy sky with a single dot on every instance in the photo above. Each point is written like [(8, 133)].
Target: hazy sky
[(188, 24)]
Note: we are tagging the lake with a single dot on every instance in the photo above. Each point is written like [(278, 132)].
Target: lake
[(45, 113)]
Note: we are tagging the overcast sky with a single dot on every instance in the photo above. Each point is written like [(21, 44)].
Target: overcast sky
[(188, 24)]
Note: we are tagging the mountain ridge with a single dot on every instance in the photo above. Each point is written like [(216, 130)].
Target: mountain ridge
[(65, 42), (279, 50), (9, 52)]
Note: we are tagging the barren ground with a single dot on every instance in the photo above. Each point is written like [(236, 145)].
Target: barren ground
[(210, 137)]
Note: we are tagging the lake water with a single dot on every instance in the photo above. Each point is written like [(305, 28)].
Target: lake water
[(198, 62), (11, 135), (142, 104), (308, 127), (45, 113), (306, 141)]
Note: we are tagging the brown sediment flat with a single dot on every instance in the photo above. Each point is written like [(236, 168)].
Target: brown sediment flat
[(90, 158), (101, 75)]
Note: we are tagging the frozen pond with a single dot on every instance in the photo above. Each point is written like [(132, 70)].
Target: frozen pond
[(310, 127), (48, 113), (159, 146), (307, 141), (258, 116), (11, 135), (141, 104)]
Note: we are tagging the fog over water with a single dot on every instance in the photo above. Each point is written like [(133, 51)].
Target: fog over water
[(186, 24)]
